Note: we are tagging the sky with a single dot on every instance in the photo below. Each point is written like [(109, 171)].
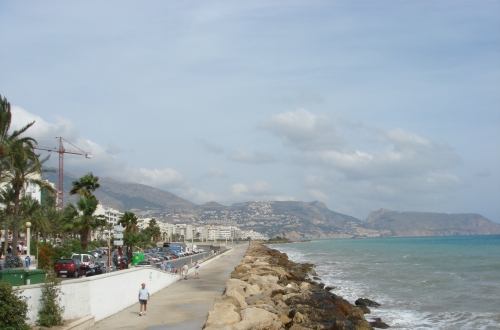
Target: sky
[(361, 105)]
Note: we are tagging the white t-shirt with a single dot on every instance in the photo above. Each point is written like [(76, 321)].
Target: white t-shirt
[(143, 293)]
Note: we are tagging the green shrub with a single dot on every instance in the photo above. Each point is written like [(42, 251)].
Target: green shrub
[(13, 308), (12, 261), (50, 312)]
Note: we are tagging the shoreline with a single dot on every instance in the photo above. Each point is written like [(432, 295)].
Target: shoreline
[(269, 291)]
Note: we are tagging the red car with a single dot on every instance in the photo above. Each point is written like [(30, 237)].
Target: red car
[(69, 267)]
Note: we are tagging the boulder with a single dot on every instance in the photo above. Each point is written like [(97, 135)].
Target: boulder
[(252, 290), (366, 302), (267, 283), (222, 317), (239, 285), (258, 319), (229, 300), (377, 323), (236, 295), (217, 327), (259, 299)]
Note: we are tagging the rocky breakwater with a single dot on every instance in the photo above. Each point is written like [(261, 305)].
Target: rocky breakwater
[(268, 291)]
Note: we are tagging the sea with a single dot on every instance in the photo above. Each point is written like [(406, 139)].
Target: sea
[(448, 282)]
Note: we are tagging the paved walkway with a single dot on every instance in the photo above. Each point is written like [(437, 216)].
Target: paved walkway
[(182, 305)]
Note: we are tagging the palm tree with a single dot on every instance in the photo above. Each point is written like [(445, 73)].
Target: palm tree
[(6, 198), (129, 221), (9, 140), (85, 186), (81, 218), (24, 168), (48, 219)]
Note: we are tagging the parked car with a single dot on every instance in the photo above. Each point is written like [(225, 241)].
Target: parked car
[(145, 263), (151, 257), (87, 262), (68, 267), (97, 270), (116, 261), (158, 256), (165, 255)]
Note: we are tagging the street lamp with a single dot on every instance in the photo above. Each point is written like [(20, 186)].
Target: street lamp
[(28, 225)]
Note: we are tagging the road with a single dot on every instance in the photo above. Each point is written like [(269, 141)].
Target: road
[(175, 263)]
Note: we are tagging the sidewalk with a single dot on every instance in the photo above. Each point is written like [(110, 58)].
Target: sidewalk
[(182, 305)]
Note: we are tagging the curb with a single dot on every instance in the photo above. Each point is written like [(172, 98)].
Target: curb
[(84, 323)]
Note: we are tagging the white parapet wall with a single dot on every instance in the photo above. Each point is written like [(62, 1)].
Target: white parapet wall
[(102, 295)]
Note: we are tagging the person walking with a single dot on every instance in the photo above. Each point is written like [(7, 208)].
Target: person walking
[(197, 270), (169, 268), (143, 298), (185, 271)]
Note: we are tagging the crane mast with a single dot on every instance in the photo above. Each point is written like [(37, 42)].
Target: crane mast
[(61, 151)]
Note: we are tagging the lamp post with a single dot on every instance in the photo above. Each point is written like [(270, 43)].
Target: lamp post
[(28, 225)]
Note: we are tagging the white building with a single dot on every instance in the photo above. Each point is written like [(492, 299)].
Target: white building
[(111, 216), (253, 235)]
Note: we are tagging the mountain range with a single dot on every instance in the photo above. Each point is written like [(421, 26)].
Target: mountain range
[(293, 219)]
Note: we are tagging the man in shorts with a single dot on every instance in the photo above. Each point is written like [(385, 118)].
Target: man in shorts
[(143, 298), (185, 269), (197, 270)]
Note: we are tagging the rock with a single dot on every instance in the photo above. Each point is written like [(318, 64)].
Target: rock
[(377, 323), (218, 327), (222, 317), (253, 290), (267, 283), (258, 319), (239, 285), (229, 300), (284, 318), (365, 309), (300, 318), (235, 294), (259, 299), (366, 302), (224, 305), (268, 291)]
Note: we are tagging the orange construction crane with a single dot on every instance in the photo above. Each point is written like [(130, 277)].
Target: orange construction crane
[(62, 151)]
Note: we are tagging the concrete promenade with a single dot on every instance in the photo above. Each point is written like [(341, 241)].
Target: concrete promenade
[(182, 305)]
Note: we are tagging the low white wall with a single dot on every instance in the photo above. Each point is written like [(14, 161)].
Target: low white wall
[(102, 295)]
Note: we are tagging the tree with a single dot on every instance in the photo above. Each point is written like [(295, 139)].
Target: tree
[(85, 186), (8, 140), (24, 168), (48, 220), (81, 218), (129, 221), (13, 308), (7, 199), (153, 232)]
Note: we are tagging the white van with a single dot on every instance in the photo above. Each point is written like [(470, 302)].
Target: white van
[(87, 260)]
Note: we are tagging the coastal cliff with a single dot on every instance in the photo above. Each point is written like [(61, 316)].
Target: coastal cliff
[(268, 291)]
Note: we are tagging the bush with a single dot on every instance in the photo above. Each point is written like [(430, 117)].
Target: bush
[(46, 257), (13, 308), (12, 261), (50, 313)]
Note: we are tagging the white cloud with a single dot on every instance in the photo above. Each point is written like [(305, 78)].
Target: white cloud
[(160, 177), (303, 130), (41, 129), (102, 163)]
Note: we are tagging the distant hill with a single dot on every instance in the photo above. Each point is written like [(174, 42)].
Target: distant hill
[(293, 219), (126, 196), (430, 224)]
